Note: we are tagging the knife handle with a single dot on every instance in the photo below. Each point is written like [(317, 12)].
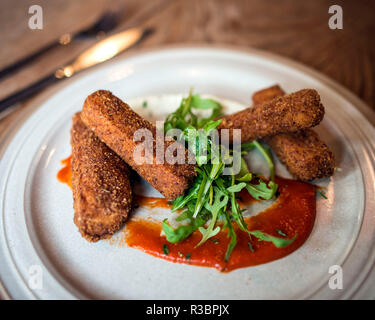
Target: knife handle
[(20, 63), (27, 92)]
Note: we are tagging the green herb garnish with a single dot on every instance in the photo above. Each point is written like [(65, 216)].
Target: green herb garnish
[(165, 249), (250, 246), (211, 204), (281, 233), (322, 194)]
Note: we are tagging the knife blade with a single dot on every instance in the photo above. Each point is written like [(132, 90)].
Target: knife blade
[(107, 22), (98, 53)]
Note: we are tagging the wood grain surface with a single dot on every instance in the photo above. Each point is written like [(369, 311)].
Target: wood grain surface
[(291, 28)]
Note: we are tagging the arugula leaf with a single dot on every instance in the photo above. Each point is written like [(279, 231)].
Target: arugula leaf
[(233, 237), (236, 212), (181, 232), (267, 156), (261, 191), (207, 234), (237, 187), (244, 175), (247, 146), (220, 201), (199, 103), (211, 125), (192, 194), (278, 242), (216, 169), (184, 117), (211, 195), (203, 104), (246, 178), (183, 216)]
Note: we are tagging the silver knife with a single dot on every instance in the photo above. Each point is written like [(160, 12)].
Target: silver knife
[(100, 52)]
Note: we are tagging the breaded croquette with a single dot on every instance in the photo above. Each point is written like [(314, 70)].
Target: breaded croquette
[(289, 113), (100, 181), (267, 94), (115, 123), (303, 153)]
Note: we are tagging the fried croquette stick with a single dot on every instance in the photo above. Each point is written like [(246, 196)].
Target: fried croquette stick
[(303, 153), (100, 181), (115, 123), (267, 94), (289, 113)]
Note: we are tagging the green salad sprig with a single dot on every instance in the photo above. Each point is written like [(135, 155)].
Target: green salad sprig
[(213, 197)]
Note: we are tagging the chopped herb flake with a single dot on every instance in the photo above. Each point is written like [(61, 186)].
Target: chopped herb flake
[(165, 249), (322, 194), (251, 246), (281, 233)]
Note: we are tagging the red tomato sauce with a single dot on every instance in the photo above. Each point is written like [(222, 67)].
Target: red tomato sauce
[(65, 173), (293, 213), (152, 202)]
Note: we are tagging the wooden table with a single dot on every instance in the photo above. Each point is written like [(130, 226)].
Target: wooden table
[(292, 28)]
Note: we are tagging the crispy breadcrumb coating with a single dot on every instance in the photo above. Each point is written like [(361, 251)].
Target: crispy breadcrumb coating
[(100, 181), (303, 153), (267, 94), (289, 113), (115, 123)]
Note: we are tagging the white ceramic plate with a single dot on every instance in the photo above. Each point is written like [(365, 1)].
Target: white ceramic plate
[(36, 225)]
